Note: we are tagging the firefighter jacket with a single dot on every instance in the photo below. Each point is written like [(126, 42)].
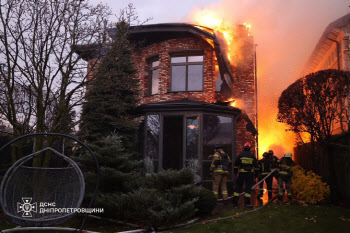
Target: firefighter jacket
[(274, 160), (285, 165), (245, 162), (220, 162), (265, 166)]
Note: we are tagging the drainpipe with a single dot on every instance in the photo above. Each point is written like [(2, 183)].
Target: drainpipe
[(338, 51), (256, 102), (338, 58)]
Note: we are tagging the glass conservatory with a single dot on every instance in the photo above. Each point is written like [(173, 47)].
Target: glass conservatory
[(177, 133)]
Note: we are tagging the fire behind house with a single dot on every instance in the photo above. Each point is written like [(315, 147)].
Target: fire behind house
[(191, 96)]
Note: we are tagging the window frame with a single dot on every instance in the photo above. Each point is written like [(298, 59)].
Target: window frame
[(150, 60), (186, 53)]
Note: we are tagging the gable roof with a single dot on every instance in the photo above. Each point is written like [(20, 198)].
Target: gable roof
[(330, 34)]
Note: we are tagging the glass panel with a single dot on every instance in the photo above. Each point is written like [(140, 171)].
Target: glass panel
[(155, 81), (156, 166), (218, 83), (192, 137), (178, 78), (217, 130), (195, 58), (195, 78), (152, 143), (155, 64), (178, 59), (228, 80), (206, 167)]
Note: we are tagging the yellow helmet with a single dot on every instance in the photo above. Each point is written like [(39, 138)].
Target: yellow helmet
[(288, 155)]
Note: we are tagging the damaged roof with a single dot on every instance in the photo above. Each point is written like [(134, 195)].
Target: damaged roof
[(153, 33)]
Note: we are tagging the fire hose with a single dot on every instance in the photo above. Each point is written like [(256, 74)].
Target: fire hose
[(191, 223), (256, 185)]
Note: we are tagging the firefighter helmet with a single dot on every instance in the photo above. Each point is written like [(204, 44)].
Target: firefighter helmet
[(288, 155), (247, 145), (271, 152), (217, 146), (265, 154)]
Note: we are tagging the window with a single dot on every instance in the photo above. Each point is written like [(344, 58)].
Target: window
[(192, 130), (153, 85), (218, 82), (216, 130), (187, 73), (152, 139)]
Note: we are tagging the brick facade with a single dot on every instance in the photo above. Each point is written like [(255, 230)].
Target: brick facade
[(245, 90), (162, 49), (244, 72)]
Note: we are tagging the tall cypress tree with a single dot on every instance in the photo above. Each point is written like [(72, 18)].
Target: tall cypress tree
[(107, 123), (111, 97)]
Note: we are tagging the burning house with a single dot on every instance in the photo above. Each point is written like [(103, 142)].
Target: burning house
[(192, 97)]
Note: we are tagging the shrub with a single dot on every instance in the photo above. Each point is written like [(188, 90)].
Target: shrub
[(165, 198), (206, 201), (308, 187), (156, 207)]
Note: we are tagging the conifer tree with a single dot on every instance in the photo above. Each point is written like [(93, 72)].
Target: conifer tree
[(118, 172), (107, 123), (111, 97)]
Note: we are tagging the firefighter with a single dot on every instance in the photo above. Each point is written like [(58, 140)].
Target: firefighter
[(219, 171), (285, 176), (246, 165), (273, 159), (265, 166)]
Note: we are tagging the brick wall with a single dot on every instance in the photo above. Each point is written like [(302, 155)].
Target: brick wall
[(244, 88), (162, 49)]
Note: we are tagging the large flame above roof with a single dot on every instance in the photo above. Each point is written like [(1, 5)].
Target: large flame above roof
[(211, 19)]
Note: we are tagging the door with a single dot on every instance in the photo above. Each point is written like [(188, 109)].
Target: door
[(173, 142)]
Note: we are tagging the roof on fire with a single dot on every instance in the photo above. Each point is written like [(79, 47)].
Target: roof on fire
[(153, 33)]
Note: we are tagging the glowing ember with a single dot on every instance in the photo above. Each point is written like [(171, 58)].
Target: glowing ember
[(231, 102)]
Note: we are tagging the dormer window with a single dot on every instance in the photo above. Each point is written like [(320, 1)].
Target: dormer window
[(153, 75), (186, 72)]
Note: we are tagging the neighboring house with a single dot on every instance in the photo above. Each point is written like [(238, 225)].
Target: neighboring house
[(186, 82), (332, 52)]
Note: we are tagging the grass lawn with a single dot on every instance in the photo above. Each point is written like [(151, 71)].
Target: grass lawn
[(273, 218), (282, 219), (92, 225)]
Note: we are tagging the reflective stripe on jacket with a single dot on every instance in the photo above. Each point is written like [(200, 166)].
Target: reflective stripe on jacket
[(245, 162), (218, 163)]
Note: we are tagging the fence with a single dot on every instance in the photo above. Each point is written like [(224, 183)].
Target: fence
[(332, 162)]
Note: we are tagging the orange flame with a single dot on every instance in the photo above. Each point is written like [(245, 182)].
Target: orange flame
[(207, 18), (272, 134)]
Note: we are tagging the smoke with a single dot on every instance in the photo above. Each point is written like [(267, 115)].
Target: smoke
[(286, 32)]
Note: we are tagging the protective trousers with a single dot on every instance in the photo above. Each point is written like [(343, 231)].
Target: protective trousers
[(268, 181), (288, 181), (248, 179), (220, 178)]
